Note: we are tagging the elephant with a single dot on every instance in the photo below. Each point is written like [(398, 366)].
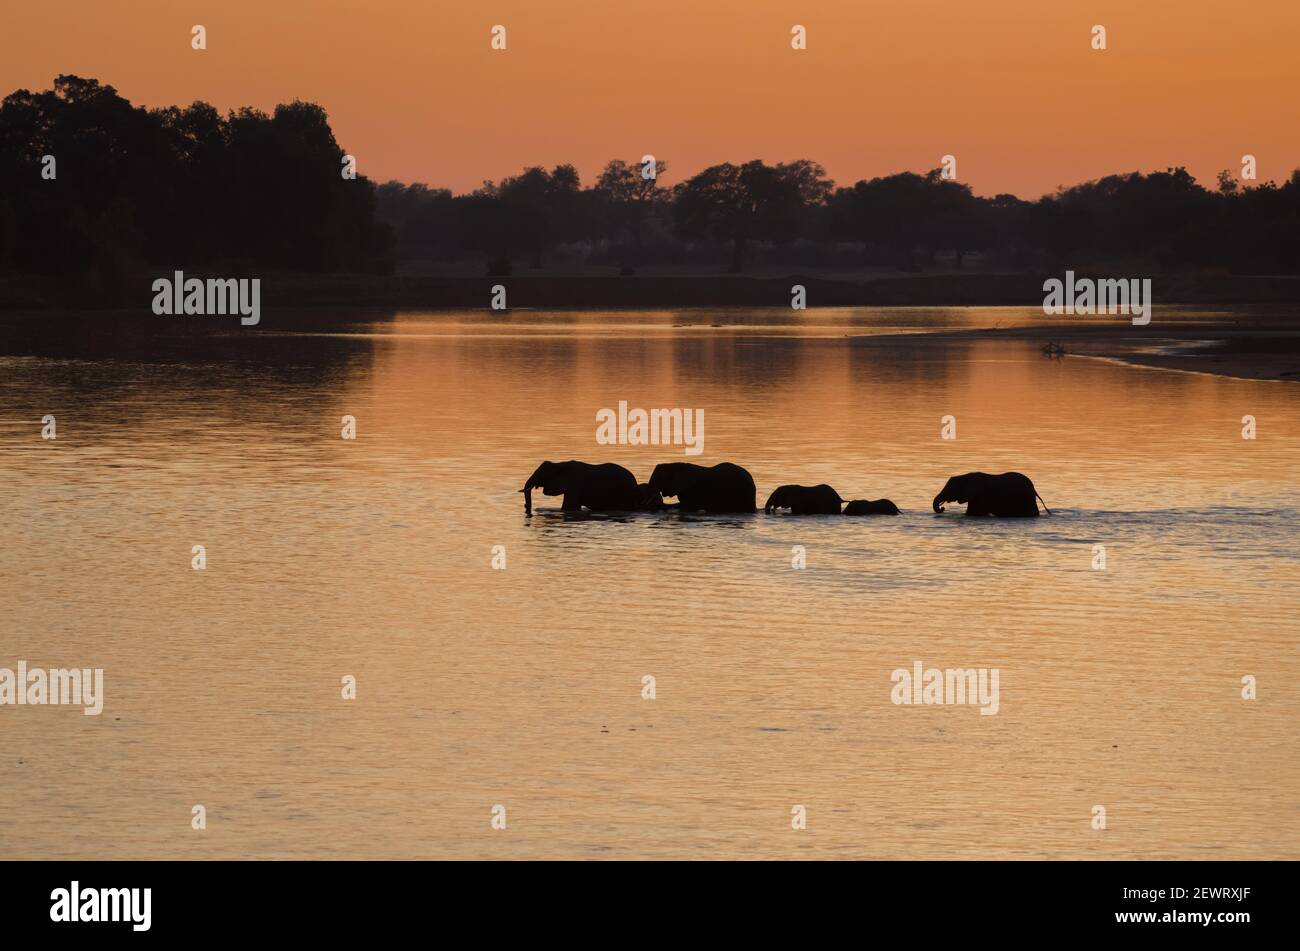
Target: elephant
[(1009, 494), (602, 488), (871, 507), (805, 500), (648, 500), (722, 488)]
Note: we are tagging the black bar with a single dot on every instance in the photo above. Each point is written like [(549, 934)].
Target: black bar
[(927, 900)]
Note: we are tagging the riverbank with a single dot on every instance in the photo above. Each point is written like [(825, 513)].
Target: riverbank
[(1259, 339), (1267, 352)]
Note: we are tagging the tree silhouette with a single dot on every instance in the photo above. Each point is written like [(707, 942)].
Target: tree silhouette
[(190, 187), (750, 202), (176, 186), (627, 197)]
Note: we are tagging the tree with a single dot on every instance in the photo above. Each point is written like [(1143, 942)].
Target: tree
[(895, 212), (130, 181), (533, 209), (750, 202), (627, 196)]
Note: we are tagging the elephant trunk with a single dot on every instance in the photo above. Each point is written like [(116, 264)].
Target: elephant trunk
[(938, 503), (527, 490), (770, 504)]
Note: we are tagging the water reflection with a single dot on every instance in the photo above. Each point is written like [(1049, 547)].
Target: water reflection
[(523, 686)]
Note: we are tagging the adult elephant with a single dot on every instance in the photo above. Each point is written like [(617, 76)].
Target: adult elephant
[(805, 500), (725, 487), (1009, 494), (648, 500), (602, 488), (871, 507)]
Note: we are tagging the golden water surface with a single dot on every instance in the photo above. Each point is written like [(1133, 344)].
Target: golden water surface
[(523, 687)]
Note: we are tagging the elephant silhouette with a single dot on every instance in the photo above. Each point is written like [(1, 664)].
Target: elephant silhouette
[(725, 487), (805, 500), (1009, 494), (871, 507), (648, 500), (603, 487)]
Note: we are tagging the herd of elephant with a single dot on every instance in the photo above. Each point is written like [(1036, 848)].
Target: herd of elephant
[(726, 487)]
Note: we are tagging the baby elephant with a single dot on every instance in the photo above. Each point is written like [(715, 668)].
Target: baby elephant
[(871, 507), (805, 500)]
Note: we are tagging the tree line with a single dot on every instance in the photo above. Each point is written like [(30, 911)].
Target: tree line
[(173, 187), (188, 186), (791, 213)]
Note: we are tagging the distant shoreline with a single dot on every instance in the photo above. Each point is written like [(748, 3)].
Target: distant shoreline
[(1250, 353), (652, 290), (1268, 350)]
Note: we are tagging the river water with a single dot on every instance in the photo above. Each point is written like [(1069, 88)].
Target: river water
[(371, 558)]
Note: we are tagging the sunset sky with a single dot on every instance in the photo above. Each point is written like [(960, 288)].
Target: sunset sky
[(1012, 88)]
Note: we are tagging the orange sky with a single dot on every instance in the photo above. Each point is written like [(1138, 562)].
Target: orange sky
[(1010, 87)]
